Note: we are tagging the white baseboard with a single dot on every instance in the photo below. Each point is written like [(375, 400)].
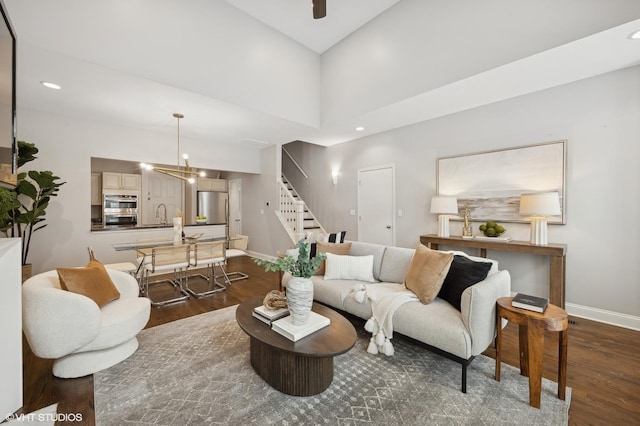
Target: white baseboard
[(600, 315), (261, 256)]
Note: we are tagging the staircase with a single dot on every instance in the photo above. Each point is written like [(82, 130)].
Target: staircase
[(294, 214)]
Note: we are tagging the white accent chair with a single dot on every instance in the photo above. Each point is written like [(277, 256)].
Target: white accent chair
[(209, 255), (71, 329), (237, 247)]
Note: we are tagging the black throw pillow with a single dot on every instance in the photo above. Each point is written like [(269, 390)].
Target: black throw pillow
[(462, 274)]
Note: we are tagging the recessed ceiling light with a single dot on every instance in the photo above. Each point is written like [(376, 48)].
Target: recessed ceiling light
[(634, 35), (51, 85), (359, 129)]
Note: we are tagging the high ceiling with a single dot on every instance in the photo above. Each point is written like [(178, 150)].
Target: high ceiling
[(258, 72)]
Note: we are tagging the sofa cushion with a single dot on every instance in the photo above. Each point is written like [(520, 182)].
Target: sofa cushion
[(333, 292), (427, 271), (437, 324), (462, 274), (349, 268), (395, 264), (334, 248), (494, 263), (92, 281), (363, 249)]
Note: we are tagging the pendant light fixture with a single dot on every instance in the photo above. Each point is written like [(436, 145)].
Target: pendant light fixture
[(185, 173)]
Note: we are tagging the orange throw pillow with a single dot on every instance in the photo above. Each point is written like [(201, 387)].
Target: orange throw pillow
[(92, 281), (427, 271), (333, 248)]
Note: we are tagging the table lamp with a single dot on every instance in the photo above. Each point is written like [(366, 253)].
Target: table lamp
[(444, 206), (540, 206)]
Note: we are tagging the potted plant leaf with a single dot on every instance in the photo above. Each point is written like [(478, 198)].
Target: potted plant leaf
[(33, 192), (299, 287)]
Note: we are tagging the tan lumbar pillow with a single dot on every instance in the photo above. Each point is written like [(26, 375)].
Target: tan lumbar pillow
[(427, 271), (333, 248), (92, 281)]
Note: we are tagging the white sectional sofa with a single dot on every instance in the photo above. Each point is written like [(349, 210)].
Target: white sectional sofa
[(459, 335)]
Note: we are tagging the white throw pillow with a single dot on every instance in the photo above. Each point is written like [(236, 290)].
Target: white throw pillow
[(339, 267)]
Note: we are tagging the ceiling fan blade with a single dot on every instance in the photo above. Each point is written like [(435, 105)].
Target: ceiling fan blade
[(319, 9)]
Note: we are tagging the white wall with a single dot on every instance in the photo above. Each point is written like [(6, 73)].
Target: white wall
[(386, 62), (66, 146), (599, 119), (206, 47), (259, 221)]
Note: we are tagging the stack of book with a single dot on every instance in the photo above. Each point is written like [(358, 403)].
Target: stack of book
[(531, 303), (267, 316), (285, 327)]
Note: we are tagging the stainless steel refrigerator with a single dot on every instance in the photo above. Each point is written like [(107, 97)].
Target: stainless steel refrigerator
[(215, 206)]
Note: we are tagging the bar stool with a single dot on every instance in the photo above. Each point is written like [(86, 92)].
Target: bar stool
[(532, 326), (166, 259), (209, 255)]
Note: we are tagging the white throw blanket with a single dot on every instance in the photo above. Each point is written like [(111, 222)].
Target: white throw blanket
[(385, 299)]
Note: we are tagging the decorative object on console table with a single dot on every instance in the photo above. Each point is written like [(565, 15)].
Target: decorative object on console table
[(287, 327), (444, 206), (531, 303), (492, 229), (557, 254), (540, 206), (299, 288), (467, 230)]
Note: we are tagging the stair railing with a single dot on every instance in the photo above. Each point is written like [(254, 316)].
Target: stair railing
[(295, 163), (291, 213)]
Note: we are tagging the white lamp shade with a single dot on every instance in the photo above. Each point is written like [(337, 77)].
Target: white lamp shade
[(444, 205), (540, 204)]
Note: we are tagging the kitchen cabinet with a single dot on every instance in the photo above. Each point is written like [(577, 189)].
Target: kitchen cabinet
[(208, 184), (128, 181), (96, 189)]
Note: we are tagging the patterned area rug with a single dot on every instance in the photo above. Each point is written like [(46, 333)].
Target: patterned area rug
[(196, 371)]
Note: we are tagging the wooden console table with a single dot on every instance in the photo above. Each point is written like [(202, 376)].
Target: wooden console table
[(556, 252)]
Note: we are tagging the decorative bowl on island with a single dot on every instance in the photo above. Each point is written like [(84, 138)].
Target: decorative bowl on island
[(200, 220)]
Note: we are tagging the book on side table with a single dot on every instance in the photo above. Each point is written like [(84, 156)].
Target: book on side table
[(285, 327), (267, 316), (531, 303)]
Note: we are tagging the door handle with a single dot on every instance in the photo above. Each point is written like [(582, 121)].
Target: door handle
[(388, 226)]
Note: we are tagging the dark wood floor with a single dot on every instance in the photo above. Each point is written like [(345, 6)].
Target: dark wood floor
[(603, 360)]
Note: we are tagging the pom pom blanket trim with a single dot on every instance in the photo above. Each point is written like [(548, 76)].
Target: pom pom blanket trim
[(385, 299)]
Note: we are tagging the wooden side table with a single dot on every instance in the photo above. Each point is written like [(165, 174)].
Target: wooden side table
[(531, 341)]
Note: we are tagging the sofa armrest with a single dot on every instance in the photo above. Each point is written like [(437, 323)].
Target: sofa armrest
[(478, 308), (58, 322), (126, 284)]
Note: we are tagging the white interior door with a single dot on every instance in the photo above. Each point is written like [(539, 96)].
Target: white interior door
[(376, 204), (235, 211)]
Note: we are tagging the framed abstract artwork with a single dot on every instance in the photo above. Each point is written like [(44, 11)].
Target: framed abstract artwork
[(491, 182)]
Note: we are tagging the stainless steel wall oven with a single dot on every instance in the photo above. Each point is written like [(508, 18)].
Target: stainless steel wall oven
[(120, 211)]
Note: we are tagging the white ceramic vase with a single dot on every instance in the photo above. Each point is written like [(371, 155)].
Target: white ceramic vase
[(300, 299)]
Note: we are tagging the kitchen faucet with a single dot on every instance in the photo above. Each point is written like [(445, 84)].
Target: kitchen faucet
[(163, 217)]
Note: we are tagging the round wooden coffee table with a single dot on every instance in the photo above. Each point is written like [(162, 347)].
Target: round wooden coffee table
[(301, 368)]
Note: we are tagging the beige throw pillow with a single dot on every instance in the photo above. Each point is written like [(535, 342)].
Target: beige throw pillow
[(427, 271), (333, 248), (92, 281)]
